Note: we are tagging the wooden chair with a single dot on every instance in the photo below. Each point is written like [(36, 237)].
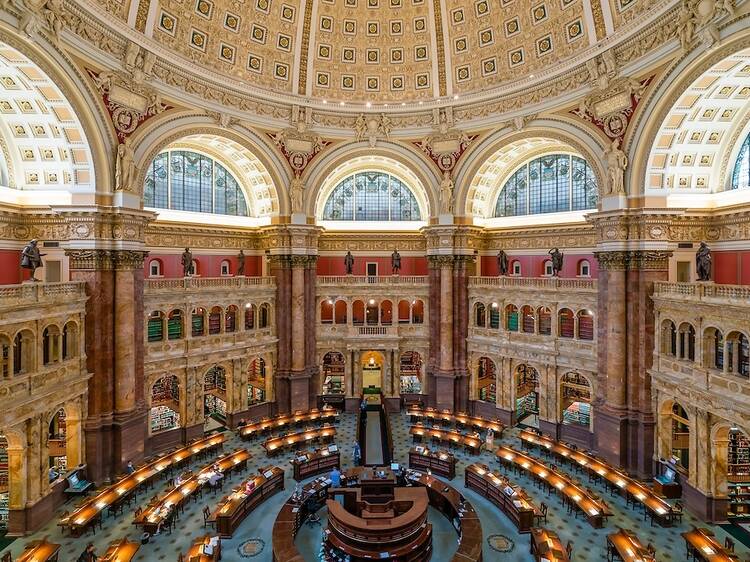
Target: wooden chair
[(138, 511), (6, 558), (206, 515), (569, 549), (677, 511), (729, 544), (542, 515)]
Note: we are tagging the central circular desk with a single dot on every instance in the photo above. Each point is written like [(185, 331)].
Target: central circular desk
[(387, 530)]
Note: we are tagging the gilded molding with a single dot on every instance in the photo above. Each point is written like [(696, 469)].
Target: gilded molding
[(633, 260), (90, 260)]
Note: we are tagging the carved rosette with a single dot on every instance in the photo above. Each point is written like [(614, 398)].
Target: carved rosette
[(634, 260)]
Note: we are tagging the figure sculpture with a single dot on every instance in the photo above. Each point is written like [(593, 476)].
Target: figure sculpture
[(187, 263), (557, 261), (349, 262), (703, 262), (298, 192), (124, 166), (616, 164), (502, 262), (446, 194), (395, 262), (241, 264), (31, 258)]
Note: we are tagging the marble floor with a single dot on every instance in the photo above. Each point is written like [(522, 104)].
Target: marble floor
[(252, 540)]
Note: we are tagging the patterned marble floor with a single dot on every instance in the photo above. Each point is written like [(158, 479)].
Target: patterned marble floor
[(252, 540)]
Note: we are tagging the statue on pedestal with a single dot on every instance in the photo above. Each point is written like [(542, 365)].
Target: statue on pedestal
[(241, 264), (349, 262), (617, 162), (187, 263), (446, 194), (703, 262), (557, 261), (31, 258), (395, 262), (502, 263)]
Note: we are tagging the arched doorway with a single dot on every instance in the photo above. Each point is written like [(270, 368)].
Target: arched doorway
[(736, 482), (215, 394), (410, 375), (57, 444), (676, 437), (164, 413), (575, 400), (372, 372), (527, 395), (333, 373), (486, 380), (256, 382)]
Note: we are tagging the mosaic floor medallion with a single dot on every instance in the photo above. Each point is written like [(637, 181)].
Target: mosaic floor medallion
[(251, 548), (500, 543)]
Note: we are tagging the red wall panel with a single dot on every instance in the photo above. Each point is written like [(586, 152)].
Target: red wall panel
[(533, 266), (208, 265), (334, 265), (10, 268)]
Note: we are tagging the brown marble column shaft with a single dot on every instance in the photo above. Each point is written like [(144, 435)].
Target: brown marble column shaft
[(280, 268), (446, 316), (298, 315)]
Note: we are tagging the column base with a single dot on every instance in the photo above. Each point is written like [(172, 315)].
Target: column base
[(611, 436), (299, 391), (576, 434), (32, 518), (708, 508), (351, 405), (392, 404), (254, 412), (489, 410), (98, 441), (444, 387), (129, 432)]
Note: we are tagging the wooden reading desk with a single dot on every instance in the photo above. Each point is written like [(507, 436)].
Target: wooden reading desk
[(233, 509), (120, 551), (128, 485), (197, 552), (545, 544), (452, 437), (441, 463), (512, 500), (593, 509), (152, 515), (655, 506), (626, 546), (252, 430), (417, 414), (40, 551), (702, 545), (323, 434), (310, 463)]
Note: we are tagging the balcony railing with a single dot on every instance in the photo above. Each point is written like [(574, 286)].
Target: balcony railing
[(216, 283), (707, 292), (372, 279), (29, 293), (534, 283)]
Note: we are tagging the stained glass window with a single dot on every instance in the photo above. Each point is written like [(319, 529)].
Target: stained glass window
[(371, 196), (741, 174), (188, 181), (549, 184)]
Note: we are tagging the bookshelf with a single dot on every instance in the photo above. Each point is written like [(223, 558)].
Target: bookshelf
[(214, 406), (578, 413), (214, 321), (576, 395), (333, 373), (163, 418), (567, 324), (215, 382), (255, 395), (197, 323), (738, 475), (155, 327), (174, 325), (410, 367), (511, 319), (256, 388), (586, 327)]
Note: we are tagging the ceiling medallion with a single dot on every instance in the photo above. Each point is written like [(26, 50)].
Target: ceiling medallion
[(297, 144), (446, 146)]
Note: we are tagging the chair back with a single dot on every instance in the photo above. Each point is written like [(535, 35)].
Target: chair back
[(206, 512), (6, 558)]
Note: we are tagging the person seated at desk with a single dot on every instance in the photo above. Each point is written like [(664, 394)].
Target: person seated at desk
[(178, 480), (53, 473), (335, 477), (88, 554), (163, 512), (130, 469), (250, 487), (210, 546), (214, 477)]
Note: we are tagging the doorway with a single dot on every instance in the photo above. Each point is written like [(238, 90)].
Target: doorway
[(372, 372), (372, 269), (527, 396)]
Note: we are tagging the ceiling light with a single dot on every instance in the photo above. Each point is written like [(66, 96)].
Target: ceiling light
[(368, 104), (420, 103), (325, 101), (403, 103), (341, 103), (531, 75), (455, 97)]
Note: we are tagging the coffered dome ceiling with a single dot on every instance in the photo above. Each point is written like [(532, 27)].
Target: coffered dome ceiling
[(379, 51)]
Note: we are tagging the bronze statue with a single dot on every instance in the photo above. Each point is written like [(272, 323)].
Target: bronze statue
[(241, 264), (349, 262), (31, 258), (703, 262), (502, 263), (557, 261), (395, 262), (187, 263)]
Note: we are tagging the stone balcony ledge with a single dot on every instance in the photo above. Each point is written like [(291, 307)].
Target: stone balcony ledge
[(28, 294), (191, 284), (535, 283), (704, 292), (369, 280)]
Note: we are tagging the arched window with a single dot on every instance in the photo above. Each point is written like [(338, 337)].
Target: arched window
[(230, 319), (23, 352), (545, 320), (479, 315), (371, 196), (70, 340), (404, 311), (713, 349), (155, 328), (50, 345), (198, 322), (264, 316), (669, 338), (585, 325), (687, 342), (250, 316), (340, 312), (326, 312), (214, 321), (154, 268), (195, 269), (174, 325), (741, 173), (215, 393), (486, 380), (515, 268), (511, 318), (527, 320), (6, 357), (188, 181), (494, 316), (371, 312), (738, 354), (576, 399), (584, 268), (549, 184), (566, 320), (417, 312), (548, 271), (411, 373), (225, 268), (256, 377), (386, 313)]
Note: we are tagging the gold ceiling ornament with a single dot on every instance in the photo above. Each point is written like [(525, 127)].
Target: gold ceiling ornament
[(372, 128), (298, 145), (446, 145), (129, 103), (699, 18), (38, 13), (138, 62), (223, 120)]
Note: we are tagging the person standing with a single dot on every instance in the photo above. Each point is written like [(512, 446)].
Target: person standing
[(88, 555), (335, 477), (490, 439), (357, 454)]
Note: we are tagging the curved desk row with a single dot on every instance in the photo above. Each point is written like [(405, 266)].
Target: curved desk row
[(251, 430), (323, 434), (446, 416), (471, 443), (442, 496)]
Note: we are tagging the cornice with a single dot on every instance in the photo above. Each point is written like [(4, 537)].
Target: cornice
[(634, 260), (89, 32)]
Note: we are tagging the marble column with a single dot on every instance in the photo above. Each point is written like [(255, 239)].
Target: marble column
[(280, 268)]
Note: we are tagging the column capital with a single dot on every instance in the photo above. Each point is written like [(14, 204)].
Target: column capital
[(105, 260), (441, 261), (633, 260)]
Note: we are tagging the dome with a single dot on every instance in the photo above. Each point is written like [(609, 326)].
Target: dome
[(384, 52)]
